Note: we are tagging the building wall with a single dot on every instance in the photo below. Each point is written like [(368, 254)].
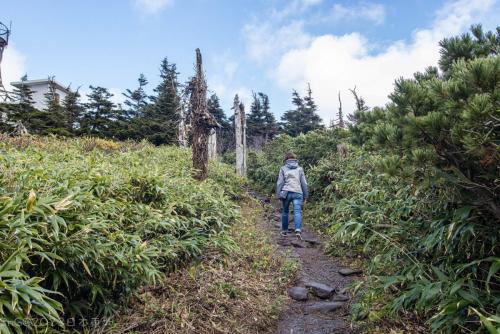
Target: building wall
[(39, 97)]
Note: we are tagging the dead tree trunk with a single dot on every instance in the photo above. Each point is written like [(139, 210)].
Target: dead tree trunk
[(342, 150), (202, 121), (182, 126), (212, 145), (341, 115), (240, 137), (20, 129)]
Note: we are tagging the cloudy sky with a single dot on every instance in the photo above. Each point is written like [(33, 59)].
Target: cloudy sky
[(273, 46)]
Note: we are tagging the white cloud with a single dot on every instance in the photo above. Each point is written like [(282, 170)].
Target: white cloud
[(222, 68), (245, 95), (336, 63), (152, 6), (369, 11), (265, 41), (13, 66), (226, 93), (294, 7)]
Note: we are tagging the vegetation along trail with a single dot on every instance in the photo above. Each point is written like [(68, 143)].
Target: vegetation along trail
[(111, 223), (318, 301)]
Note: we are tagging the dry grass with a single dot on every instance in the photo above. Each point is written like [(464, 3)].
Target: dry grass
[(239, 292)]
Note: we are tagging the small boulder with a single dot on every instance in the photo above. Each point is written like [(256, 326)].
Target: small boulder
[(312, 242), (283, 242), (340, 298), (349, 271), (297, 244), (298, 293), (320, 290), (324, 307)]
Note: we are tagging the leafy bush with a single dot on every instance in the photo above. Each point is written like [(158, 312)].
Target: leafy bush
[(418, 194), (263, 166), (83, 223)]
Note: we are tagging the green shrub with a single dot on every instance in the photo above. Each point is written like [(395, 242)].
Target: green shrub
[(263, 166), (81, 229), (418, 196)]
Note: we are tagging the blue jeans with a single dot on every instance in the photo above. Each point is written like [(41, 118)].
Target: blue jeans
[(296, 199)]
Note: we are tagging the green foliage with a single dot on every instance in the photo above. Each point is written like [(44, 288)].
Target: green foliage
[(225, 133), (23, 93), (263, 166), (93, 220), (99, 113), (261, 124), (417, 196), (154, 118), (137, 99), (467, 47), (304, 117), (160, 124)]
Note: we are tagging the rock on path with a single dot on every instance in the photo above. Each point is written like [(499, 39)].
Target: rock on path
[(324, 307), (320, 290), (298, 293), (305, 311), (349, 271)]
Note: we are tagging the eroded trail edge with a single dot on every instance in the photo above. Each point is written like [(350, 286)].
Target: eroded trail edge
[(318, 301)]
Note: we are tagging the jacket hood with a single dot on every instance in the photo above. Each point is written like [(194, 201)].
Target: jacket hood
[(292, 163)]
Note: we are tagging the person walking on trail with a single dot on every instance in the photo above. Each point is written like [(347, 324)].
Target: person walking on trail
[(291, 188)]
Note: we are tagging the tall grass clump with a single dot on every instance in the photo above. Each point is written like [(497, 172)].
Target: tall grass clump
[(85, 222)]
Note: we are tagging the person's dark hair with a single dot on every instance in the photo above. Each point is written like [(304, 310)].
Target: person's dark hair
[(290, 155)]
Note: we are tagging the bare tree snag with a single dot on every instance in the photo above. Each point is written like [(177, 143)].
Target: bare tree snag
[(240, 137), (342, 150), (212, 145), (182, 126), (20, 130), (360, 102), (341, 115), (202, 121)]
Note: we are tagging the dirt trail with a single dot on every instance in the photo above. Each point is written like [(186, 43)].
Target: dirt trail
[(326, 315)]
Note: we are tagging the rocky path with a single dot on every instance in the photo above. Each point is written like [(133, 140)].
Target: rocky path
[(318, 302)]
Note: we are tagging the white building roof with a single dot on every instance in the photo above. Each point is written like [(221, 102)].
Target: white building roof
[(39, 82)]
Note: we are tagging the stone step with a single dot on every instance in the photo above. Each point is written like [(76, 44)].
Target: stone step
[(298, 293), (324, 307), (320, 290), (350, 271)]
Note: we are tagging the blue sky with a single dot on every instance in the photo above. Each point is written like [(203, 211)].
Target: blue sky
[(272, 46)]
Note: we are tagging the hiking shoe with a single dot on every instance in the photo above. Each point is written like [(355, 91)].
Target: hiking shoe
[(298, 235), (283, 233)]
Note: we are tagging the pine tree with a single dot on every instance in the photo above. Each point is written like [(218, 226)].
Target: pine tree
[(53, 119), (261, 124), (23, 111), (137, 100), (213, 105), (225, 131), (311, 119), (304, 117), (24, 94), (256, 123), (99, 113), (467, 47), (161, 121), (73, 110), (271, 127)]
